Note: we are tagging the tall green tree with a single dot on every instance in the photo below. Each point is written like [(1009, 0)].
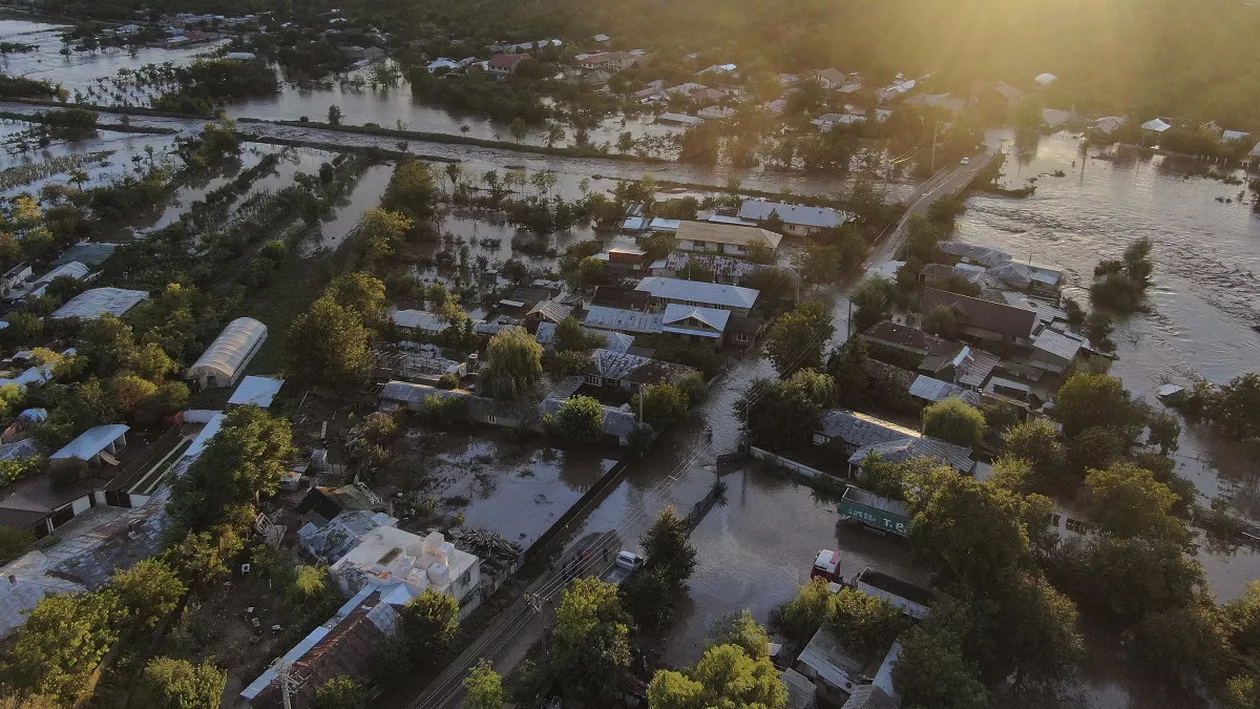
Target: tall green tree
[(147, 593), (168, 683), (340, 692), (580, 419), (513, 365), (484, 688), (59, 646), (667, 547), (725, 677), (663, 405), (796, 339), (1126, 501), (1096, 400), (430, 623), (592, 640), (931, 672), (955, 421), (412, 192), (330, 345)]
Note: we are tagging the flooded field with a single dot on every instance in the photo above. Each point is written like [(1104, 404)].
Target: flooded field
[(517, 490)]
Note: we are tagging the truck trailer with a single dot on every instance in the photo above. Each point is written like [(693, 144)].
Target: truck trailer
[(879, 513)]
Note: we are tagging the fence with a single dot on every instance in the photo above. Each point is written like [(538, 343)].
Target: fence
[(587, 501), (134, 469), (813, 475)]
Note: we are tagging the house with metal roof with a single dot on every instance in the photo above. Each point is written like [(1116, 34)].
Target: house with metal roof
[(94, 303), (1054, 351), (985, 319), (418, 321), (599, 317), (620, 370), (676, 291), (613, 341), (224, 361), (797, 219), (729, 239), (256, 391), (98, 444), (619, 422), (859, 435)]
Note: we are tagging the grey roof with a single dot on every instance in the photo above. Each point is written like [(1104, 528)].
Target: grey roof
[(930, 389), (983, 255), (418, 320), (801, 692), (92, 441), (604, 318), (643, 370), (615, 341), (858, 429), (868, 696), (94, 303), (90, 253), (900, 451), (551, 310), (677, 289), (797, 214), (414, 394), (683, 319), (1057, 344), (25, 448), (830, 660), (1006, 320)]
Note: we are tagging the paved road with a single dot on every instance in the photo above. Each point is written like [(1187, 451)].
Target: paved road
[(942, 184)]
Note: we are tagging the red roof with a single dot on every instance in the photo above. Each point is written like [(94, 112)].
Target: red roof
[(507, 61)]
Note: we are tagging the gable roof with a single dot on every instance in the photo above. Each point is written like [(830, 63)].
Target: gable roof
[(675, 319), (90, 442), (858, 429), (604, 318), (983, 314), (698, 292), (889, 333), (507, 61), (902, 450), (798, 214), (728, 234)]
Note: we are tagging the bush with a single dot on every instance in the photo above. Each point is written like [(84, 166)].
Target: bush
[(448, 381), (67, 472), (581, 419)]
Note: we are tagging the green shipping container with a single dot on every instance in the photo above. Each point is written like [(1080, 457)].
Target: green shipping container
[(874, 511)]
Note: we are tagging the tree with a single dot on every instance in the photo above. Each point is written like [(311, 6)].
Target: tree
[(592, 640), (580, 419), (340, 692), (946, 539), (1098, 328), (779, 414), (1164, 431), (1037, 442), (483, 687), (430, 623), (571, 336), (590, 271), (61, 643), (329, 345), (648, 596), (1236, 408), (360, 292), (725, 677), (1089, 400), (519, 129), (663, 405), (168, 683), (1126, 501), (942, 321), (931, 672), (1094, 448), (147, 592), (334, 115), (239, 466), (666, 547), (863, 622), (1184, 646), (955, 421), (513, 365), (380, 232), (1242, 620), (806, 612), (412, 192), (1130, 577), (742, 631), (796, 339), (847, 366), (570, 363)]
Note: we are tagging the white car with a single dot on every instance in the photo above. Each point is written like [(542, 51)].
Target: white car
[(966, 161)]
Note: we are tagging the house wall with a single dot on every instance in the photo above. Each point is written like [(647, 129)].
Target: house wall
[(710, 247)]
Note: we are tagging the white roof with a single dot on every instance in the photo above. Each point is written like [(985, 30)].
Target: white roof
[(605, 318), (1158, 125), (74, 270), (827, 657), (697, 292), (230, 350), (1046, 79), (418, 320), (661, 224), (718, 233), (204, 436), (241, 56), (1234, 135), (1057, 344), (94, 303), (92, 441), (793, 213), (391, 554), (1107, 124), (1255, 152), (256, 391)]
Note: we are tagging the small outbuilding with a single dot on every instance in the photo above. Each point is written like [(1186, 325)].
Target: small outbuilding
[(224, 361), (256, 391), (97, 444)]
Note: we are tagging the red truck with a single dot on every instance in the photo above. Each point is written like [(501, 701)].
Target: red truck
[(826, 566)]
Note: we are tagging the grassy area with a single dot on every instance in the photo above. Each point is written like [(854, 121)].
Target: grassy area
[(295, 286), (159, 471)]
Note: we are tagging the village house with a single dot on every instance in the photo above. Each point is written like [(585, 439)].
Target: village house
[(860, 435), (727, 239), (676, 291), (796, 219), (505, 65), (983, 319), (612, 61), (610, 369)]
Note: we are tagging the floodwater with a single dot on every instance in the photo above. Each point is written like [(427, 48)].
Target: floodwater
[(516, 490)]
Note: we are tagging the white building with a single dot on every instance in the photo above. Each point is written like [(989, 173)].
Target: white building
[(94, 303), (390, 554), (728, 239), (225, 360), (798, 219)]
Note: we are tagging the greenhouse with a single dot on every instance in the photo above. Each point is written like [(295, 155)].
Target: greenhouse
[(223, 363)]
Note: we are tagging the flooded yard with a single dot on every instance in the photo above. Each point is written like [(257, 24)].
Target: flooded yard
[(517, 489)]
